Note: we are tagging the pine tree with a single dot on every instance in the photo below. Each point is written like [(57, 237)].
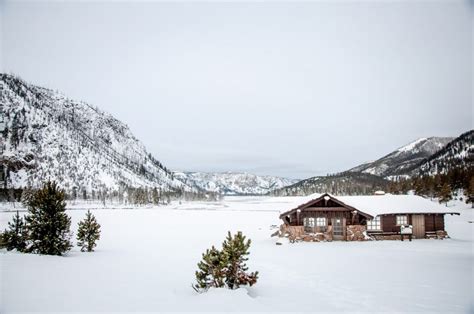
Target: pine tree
[(445, 194), (3, 244), (155, 196), (235, 250), (211, 271), (88, 233), (225, 268), (16, 236), (393, 187), (418, 187), (469, 192), (26, 195), (47, 222)]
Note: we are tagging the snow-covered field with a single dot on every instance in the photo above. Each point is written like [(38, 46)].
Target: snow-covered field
[(146, 258)]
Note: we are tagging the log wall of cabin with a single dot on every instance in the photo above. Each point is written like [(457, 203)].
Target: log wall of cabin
[(439, 222), (433, 222), (389, 223), (358, 219), (326, 214)]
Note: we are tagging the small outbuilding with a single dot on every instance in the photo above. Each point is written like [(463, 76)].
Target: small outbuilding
[(358, 218)]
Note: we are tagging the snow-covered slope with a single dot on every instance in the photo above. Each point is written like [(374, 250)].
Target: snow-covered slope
[(234, 183), (404, 159), (459, 153), (144, 263), (435, 153), (45, 135), (344, 183)]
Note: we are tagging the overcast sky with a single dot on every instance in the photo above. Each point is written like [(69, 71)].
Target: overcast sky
[(290, 89)]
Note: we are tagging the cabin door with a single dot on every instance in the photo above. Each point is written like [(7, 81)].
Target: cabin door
[(338, 228), (418, 222)]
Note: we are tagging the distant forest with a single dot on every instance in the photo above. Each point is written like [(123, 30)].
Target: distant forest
[(442, 186), (126, 195)]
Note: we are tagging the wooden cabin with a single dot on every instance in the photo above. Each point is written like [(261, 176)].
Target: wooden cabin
[(356, 218)]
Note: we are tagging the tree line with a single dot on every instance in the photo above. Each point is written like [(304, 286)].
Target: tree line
[(126, 195), (456, 182)]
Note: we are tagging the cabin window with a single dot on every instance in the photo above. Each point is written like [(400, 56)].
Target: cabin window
[(321, 223), (374, 224), (402, 220), (308, 222)]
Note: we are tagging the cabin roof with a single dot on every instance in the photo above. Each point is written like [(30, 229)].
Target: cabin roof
[(375, 205)]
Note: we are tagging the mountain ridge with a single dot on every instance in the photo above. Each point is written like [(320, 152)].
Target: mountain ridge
[(47, 136), (457, 153), (405, 158), (424, 156), (234, 183)]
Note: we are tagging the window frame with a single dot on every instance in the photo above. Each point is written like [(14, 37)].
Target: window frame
[(309, 222), (397, 220), (319, 224), (377, 222)]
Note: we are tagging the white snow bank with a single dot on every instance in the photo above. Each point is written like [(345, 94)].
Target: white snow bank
[(146, 259)]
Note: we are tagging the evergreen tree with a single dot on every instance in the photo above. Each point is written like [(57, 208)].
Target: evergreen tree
[(236, 250), (445, 194), (211, 271), (3, 244), (16, 236), (88, 233), (47, 222), (469, 192), (393, 187), (225, 268), (418, 187), (26, 196), (140, 197), (430, 186), (155, 196)]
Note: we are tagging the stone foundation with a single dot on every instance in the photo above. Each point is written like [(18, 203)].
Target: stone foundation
[(356, 233), (379, 237), (440, 234), (297, 234), (353, 233)]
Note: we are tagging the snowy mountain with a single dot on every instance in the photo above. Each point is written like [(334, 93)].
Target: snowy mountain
[(45, 135), (233, 183), (424, 156), (404, 159), (345, 183), (459, 153)]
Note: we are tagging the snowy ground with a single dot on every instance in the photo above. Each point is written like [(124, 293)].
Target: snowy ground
[(146, 260)]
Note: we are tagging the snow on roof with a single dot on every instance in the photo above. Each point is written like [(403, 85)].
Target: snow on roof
[(375, 205), (393, 204)]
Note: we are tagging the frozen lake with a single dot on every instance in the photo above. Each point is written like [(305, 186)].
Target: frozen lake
[(146, 259)]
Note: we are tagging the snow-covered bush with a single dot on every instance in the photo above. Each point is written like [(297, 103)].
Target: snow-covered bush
[(227, 267)]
